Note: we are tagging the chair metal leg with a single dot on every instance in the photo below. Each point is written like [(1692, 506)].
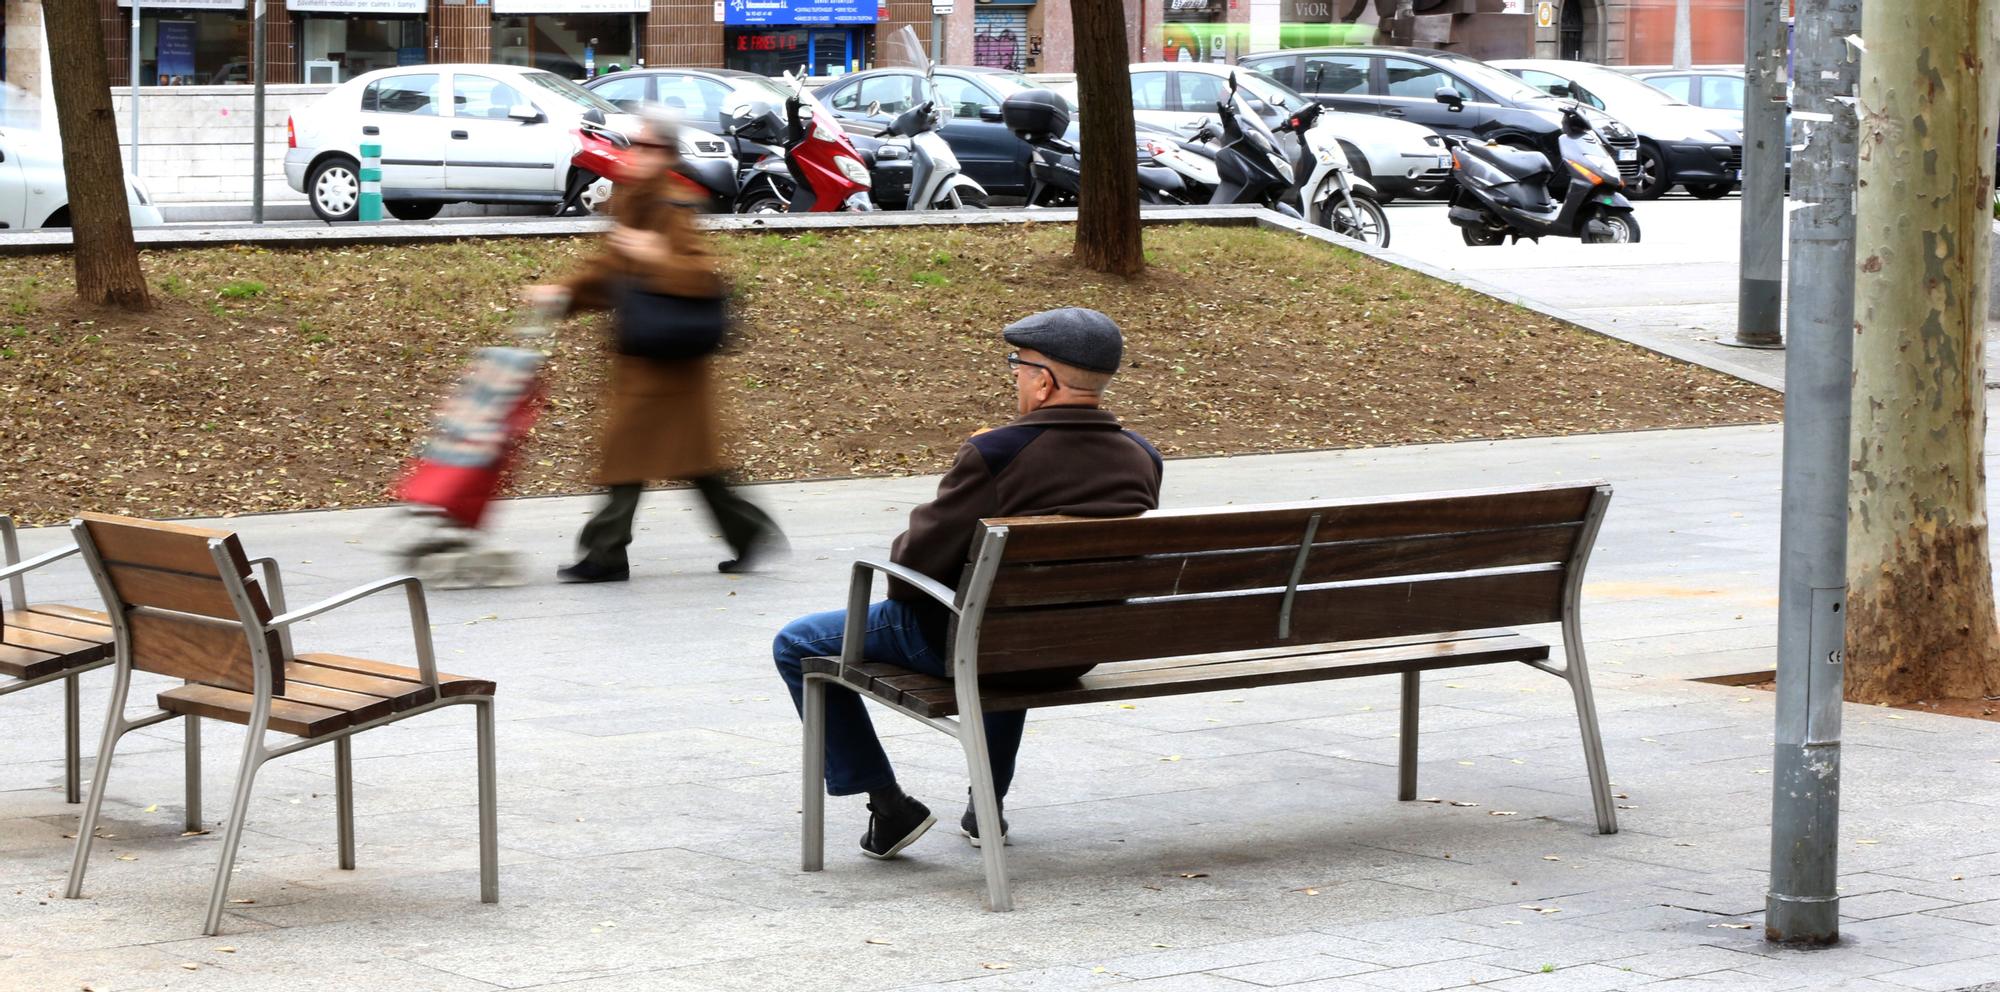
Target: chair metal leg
[(1406, 761), (72, 742), (191, 757), (812, 786), (986, 811), (343, 798), (489, 806), (1577, 673), (86, 828), (232, 834)]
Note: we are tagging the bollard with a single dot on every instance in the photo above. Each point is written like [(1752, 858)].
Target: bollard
[(370, 205)]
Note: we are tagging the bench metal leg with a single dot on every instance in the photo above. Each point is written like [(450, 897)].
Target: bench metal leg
[(986, 811), (86, 829), (489, 807), (72, 742), (812, 788), (343, 799), (1577, 673), (232, 834), (1406, 760), (191, 758)]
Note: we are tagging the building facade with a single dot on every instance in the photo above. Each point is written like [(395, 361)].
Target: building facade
[(1641, 32)]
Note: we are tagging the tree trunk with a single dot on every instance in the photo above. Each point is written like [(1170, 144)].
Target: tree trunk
[(1920, 600), (1107, 214), (107, 260)]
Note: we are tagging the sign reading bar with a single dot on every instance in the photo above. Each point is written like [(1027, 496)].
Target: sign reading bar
[(357, 6), (572, 6), (800, 11)]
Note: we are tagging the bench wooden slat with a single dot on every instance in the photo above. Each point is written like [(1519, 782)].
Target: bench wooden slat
[(936, 697), (1044, 584), (97, 632), (68, 612), (1050, 539), (402, 694), (215, 653), (156, 544), (448, 684), (26, 637), (28, 663), (287, 715), (178, 591), (1062, 636)]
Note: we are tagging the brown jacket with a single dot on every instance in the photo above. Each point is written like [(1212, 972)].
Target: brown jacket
[(661, 420), (1065, 459)]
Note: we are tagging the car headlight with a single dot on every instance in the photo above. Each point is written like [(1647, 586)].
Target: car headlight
[(853, 170)]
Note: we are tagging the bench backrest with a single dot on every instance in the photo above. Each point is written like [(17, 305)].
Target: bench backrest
[(1067, 591), (169, 588)]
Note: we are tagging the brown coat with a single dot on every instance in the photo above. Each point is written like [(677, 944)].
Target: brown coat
[(1060, 459), (660, 417)]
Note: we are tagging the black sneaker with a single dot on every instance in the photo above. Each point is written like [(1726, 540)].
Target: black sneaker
[(969, 825), (890, 832), (759, 552), (586, 571)]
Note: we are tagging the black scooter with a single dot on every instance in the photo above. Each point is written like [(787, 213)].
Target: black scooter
[(1251, 166), (1055, 171), (1568, 189)]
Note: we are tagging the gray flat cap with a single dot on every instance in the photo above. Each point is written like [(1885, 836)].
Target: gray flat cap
[(1075, 336)]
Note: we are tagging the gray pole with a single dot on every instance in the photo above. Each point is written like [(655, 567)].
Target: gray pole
[(1683, 34), (132, 166), (1803, 906), (937, 36), (1760, 274), (257, 115)]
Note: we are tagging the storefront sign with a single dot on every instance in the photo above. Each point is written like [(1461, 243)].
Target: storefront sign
[(357, 6), (235, 5), (175, 54), (800, 11), (572, 6), (1545, 14)]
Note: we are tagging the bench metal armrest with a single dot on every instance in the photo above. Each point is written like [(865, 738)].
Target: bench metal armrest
[(862, 585), (420, 617), (22, 568), (274, 594)]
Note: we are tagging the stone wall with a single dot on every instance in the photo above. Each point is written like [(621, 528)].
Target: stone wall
[(195, 141)]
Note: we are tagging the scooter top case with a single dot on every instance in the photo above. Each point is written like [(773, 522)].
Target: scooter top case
[(1522, 177)]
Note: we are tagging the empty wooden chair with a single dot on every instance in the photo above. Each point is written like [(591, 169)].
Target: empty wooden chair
[(183, 603), (46, 642)]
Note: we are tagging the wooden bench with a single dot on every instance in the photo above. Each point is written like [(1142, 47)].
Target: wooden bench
[(46, 642), (183, 603), (1183, 601)]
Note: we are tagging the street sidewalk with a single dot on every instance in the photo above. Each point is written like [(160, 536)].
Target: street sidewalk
[(649, 788)]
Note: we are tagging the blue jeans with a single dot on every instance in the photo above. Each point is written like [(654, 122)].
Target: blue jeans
[(854, 759)]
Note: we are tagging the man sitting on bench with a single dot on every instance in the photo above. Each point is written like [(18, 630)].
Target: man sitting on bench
[(1063, 455)]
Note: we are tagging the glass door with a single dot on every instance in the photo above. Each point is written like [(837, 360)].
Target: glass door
[(831, 52)]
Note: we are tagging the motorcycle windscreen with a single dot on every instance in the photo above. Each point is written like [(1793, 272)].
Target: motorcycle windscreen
[(902, 50)]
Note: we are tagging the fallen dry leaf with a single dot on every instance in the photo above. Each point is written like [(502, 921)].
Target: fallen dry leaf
[(1501, 812), (1550, 857), (996, 965), (1194, 874), (1729, 926), (155, 808), (875, 940)]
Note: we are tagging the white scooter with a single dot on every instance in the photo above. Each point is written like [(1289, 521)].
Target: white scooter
[(912, 142), (1331, 195)]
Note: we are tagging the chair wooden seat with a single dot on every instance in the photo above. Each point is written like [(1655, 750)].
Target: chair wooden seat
[(930, 696), (325, 693), (46, 639)]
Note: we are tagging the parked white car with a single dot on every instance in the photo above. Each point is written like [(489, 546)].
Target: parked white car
[(33, 192), (470, 133), (1399, 158)]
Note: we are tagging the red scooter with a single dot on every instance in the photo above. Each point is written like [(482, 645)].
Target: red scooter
[(599, 156), (821, 170)]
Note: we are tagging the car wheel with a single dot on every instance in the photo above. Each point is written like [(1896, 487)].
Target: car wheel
[(334, 187), (1650, 181), (412, 209), (1713, 191)]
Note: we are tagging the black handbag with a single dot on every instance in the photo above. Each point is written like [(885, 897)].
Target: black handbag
[(665, 327)]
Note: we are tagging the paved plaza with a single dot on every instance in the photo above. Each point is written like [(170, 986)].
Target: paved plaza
[(649, 789)]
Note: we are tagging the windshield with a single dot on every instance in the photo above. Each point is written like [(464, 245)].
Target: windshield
[(1616, 88), (1270, 90), (902, 50), (1252, 123), (570, 92), (1500, 84), (759, 88)]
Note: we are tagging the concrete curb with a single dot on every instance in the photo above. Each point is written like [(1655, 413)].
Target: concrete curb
[(453, 230)]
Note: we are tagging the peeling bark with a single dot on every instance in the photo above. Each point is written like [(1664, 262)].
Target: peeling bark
[(1920, 590)]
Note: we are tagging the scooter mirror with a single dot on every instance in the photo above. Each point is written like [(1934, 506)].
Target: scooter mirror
[(874, 108), (1450, 97)]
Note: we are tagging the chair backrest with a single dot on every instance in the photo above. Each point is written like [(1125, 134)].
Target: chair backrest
[(163, 584), (1072, 591)]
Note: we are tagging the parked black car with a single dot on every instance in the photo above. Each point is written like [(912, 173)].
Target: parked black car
[(1404, 83), (986, 150)]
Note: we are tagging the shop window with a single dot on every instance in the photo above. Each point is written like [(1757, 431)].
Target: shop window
[(573, 46), (356, 44), (482, 97), (415, 94), (193, 47)]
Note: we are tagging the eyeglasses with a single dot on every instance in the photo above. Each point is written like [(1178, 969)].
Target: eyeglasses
[(1014, 360)]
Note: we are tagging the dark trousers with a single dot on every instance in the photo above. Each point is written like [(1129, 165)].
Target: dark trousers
[(604, 538)]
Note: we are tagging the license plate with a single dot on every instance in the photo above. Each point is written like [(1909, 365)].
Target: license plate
[(1628, 154)]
